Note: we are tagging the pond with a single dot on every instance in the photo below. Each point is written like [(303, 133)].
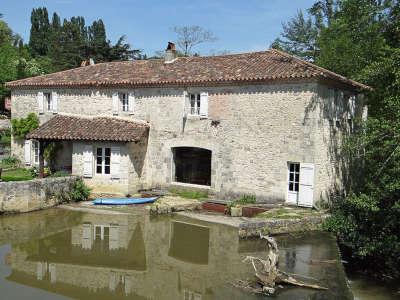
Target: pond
[(62, 254)]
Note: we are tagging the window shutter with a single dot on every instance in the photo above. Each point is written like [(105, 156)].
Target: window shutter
[(40, 99), (115, 162), (54, 102), (114, 237), (306, 185), (86, 236), (204, 105), (88, 161), (28, 151), (131, 103), (115, 103)]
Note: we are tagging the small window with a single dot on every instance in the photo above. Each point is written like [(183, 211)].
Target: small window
[(194, 104), (103, 160), (47, 101), (35, 147), (294, 177), (123, 97)]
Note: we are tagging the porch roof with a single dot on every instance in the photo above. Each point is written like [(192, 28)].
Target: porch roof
[(91, 129)]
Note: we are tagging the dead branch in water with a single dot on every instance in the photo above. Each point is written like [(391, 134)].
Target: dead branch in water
[(267, 273)]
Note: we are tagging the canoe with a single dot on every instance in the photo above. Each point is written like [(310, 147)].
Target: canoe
[(123, 201)]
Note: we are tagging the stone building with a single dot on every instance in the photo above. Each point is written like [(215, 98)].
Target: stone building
[(263, 123)]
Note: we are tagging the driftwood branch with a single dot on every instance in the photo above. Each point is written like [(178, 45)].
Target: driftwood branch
[(267, 274)]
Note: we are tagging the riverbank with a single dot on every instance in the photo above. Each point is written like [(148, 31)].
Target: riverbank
[(275, 220)]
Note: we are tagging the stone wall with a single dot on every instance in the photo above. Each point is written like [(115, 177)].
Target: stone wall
[(24, 196), (253, 131)]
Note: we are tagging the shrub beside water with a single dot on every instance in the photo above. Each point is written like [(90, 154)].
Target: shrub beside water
[(80, 191)]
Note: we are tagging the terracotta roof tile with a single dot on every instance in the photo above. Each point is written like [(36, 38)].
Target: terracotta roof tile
[(95, 129), (262, 66)]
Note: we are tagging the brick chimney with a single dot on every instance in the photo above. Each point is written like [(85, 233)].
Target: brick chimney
[(170, 53)]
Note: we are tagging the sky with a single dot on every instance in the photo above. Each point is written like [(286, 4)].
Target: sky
[(239, 25)]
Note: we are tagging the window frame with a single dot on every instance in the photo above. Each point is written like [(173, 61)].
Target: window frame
[(194, 110), (48, 100), (105, 168), (124, 100), (293, 184)]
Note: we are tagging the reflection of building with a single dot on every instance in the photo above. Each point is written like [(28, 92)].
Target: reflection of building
[(119, 256)]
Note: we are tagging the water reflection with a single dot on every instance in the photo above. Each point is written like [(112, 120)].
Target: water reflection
[(124, 256)]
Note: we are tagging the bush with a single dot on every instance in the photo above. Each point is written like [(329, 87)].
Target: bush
[(60, 174), (80, 191), (5, 138), (10, 162)]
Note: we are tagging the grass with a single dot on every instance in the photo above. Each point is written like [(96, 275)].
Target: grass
[(287, 213), (19, 174), (189, 194)]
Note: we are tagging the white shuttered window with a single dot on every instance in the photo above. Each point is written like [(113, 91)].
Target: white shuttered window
[(115, 162), (27, 151), (88, 161)]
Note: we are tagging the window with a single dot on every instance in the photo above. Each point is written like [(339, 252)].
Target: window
[(103, 158), (123, 97), (47, 101), (294, 176), (35, 147), (194, 104)]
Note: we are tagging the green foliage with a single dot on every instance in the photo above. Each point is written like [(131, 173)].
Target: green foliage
[(245, 199), (5, 137), (21, 127), (10, 162), (60, 174), (79, 192), (50, 153), (19, 174), (360, 39), (189, 194)]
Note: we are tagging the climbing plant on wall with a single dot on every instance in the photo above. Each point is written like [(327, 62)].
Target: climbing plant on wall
[(21, 127)]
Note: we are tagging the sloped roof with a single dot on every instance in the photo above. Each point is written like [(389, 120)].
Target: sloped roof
[(94, 129), (265, 66)]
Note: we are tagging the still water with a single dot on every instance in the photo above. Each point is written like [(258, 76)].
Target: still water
[(61, 254)]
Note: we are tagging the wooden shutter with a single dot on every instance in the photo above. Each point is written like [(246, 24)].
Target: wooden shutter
[(352, 107), (86, 236), (115, 162), (40, 102), (88, 161), (54, 102), (306, 185), (28, 152), (115, 103), (114, 237), (204, 105), (131, 103)]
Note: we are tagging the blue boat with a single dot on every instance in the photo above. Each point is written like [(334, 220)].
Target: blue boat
[(123, 201)]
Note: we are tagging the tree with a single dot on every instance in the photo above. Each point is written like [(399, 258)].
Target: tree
[(98, 46), (298, 37), (190, 36), (40, 32)]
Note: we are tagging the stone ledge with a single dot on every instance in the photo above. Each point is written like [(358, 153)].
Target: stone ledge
[(35, 194)]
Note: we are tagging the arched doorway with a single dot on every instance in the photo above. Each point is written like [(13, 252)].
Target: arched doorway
[(192, 165)]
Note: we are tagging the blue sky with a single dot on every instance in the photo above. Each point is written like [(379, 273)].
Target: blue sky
[(240, 25)]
